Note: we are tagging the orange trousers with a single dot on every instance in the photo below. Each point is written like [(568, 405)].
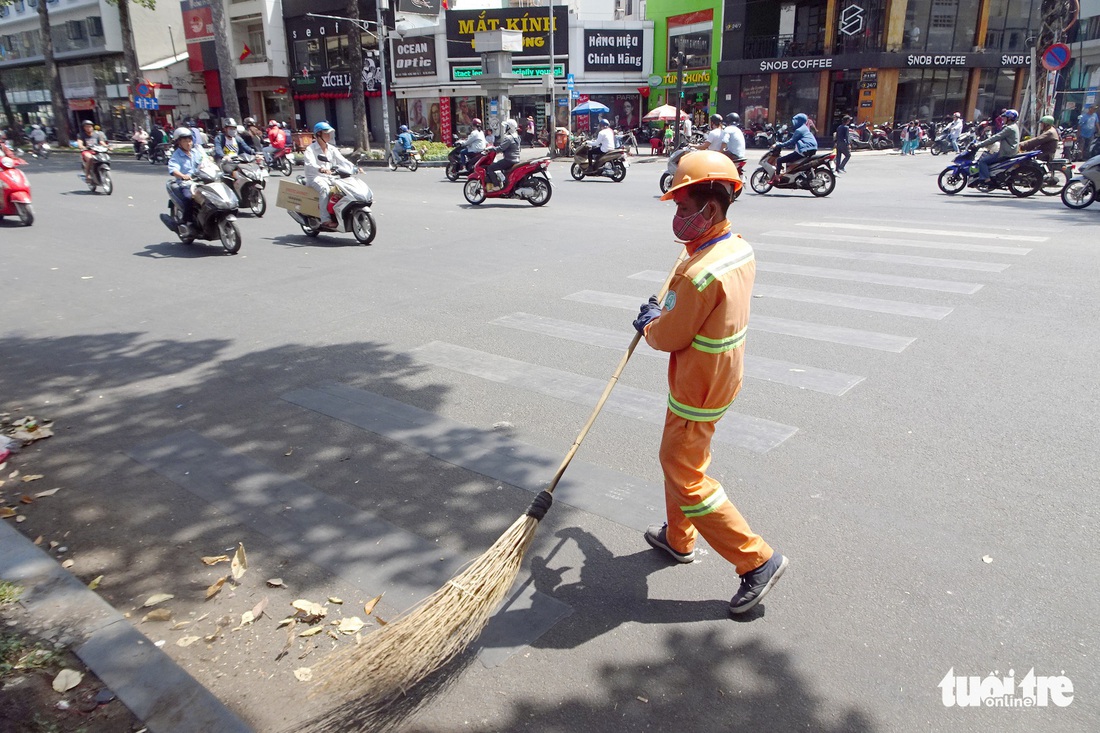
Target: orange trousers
[(697, 504)]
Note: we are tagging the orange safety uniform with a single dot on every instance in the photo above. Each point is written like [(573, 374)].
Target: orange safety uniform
[(702, 324)]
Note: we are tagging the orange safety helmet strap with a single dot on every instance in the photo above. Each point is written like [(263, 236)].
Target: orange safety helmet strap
[(703, 166)]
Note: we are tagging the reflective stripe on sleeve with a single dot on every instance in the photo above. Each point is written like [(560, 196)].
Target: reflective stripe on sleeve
[(720, 267), (706, 506), (717, 346), (695, 414)]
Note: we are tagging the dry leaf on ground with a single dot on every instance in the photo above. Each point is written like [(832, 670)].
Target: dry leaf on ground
[(259, 608), (312, 631), (47, 492), (368, 607), (26, 499), (186, 640), (215, 559), (67, 679), (95, 582), (159, 614), (6, 512), (157, 598), (32, 477), (381, 621), (180, 625), (217, 586), (276, 583), (309, 610), (335, 600), (239, 563), (350, 625), (68, 563), (304, 674)]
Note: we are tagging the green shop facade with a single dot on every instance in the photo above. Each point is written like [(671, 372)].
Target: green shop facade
[(695, 28)]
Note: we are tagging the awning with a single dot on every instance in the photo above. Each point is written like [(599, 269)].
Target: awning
[(164, 63)]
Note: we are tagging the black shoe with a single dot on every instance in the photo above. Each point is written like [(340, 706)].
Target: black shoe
[(755, 584), (656, 536)]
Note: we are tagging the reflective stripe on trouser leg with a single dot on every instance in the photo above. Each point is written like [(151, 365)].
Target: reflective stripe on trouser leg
[(685, 456)]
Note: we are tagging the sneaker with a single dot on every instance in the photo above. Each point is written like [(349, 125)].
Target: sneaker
[(755, 584), (656, 536)]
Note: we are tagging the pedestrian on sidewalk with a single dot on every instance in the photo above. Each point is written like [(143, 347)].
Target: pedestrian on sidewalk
[(1087, 125), (702, 324), (843, 144)]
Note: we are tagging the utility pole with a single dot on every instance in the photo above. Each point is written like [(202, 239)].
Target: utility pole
[(551, 109), (679, 96)]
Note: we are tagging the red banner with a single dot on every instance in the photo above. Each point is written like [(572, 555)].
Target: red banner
[(445, 120)]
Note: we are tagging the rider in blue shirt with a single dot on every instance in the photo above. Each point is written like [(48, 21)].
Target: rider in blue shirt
[(185, 161), (405, 142), (803, 142)]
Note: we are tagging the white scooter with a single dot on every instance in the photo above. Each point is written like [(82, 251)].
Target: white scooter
[(1081, 189), (349, 203), (249, 183)]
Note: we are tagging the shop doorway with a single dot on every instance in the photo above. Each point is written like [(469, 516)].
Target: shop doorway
[(845, 97)]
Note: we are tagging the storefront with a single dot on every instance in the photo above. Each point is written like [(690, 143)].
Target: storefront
[(691, 28)]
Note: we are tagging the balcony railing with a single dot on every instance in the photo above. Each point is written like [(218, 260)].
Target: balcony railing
[(766, 47)]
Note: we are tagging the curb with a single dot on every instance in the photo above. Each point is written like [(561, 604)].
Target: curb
[(155, 689)]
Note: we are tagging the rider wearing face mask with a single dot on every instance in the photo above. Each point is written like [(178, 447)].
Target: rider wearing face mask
[(702, 323), (802, 140)]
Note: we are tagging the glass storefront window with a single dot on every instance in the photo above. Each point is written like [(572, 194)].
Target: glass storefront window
[(994, 92), (1009, 21), (941, 25), (755, 94), (336, 50), (796, 93), (930, 94), (867, 35), (307, 55)]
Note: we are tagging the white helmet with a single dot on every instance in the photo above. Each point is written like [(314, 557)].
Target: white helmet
[(181, 132), (510, 125)]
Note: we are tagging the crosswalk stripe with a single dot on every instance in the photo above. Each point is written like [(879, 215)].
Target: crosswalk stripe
[(844, 254), (744, 431), (757, 367), (855, 302), (916, 243), (812, 331), (828, 273), (954, 224), (912, 230)]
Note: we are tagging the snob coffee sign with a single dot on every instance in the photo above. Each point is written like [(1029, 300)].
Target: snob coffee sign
[(613, 50)]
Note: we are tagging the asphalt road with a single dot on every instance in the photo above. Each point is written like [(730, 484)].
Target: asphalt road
[(921, 396)]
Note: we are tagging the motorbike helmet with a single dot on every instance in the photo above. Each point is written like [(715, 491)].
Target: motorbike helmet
[(702, 166), (716, 120), (181, 132), (229, 122), (604, 123), (958, 114), (1046, 120), (322, 126), (1011, 114), (476, 122), (733, 119), (510, 126), (403, 128), (798, 120), (272, 123), (249, 121), (85, 123)]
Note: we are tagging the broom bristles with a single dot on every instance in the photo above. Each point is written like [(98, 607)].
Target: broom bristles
[(397, 657)]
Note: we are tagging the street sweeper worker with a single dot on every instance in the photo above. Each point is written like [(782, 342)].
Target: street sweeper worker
[(702, 323)]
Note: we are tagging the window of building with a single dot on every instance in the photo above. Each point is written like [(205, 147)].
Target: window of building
[(994, 92), (307, 55), (76, 30), (1009, 24), (755, 97), (336, 50), (257, 43), (863, 31), (796, 93), (941, 25), (691, 33), (95, 26), (930, 94)]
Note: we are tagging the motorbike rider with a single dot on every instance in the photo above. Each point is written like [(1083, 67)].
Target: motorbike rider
[(404, 142), (508, 151), (38, 137), (227, 143), (1046, 141), (803, 142), (252, 134), (276, 139), (86, 139), (954, 130), (140, 139), (605, 142), (716, 135), (196, 132), (474, 144), (186, 159), (318, 171), (734, 138), (1009, 139)]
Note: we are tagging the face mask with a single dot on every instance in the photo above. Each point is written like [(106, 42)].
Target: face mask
[(687, 228), (231, 133)]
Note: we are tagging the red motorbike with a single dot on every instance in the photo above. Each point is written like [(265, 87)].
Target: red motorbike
[(15, 191), (529, 181), (281, 160)]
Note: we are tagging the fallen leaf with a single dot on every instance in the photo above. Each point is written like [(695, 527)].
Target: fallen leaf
[(643, 699), (53, 544), (289, 452), (32, 477), (217, 586), (368, 607), (186, 640), (304, 674), (350, 625), (157, 598), (180, 625), (6, 512), (160, 614), (239, 563), (20, 518), (215, 559), (26, 499), (47, 492), (287, 620), (334, 599), (381, 621), (67, 679), (95, 582), (312, 631), (276, 583), (246, 618), (987, 559), (309, 609), (259, 608), (68, 564), (38, 540), (200, 618)]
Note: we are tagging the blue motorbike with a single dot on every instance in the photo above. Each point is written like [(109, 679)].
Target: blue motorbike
[(1020, 174)]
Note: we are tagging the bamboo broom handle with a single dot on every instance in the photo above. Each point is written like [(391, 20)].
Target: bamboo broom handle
[(610, 386)]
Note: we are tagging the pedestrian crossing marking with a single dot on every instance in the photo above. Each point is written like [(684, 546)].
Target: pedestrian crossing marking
[(737, 429), (844, 254), (855, 302), (911, 230), (757, 367), (828, 273), (954, 224), (919, 244)]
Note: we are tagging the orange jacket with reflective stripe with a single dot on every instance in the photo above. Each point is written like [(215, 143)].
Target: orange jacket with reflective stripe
[(703, 322)]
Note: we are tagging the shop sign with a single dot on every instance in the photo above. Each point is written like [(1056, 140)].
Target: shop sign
[(167, 96), (868, 80), (339, 82), (414, 57), (807, 64), (851, 20), (466, 73), (938, 60), (613, 50), (198, 31), (532, 23), (691, 34), (418, 7), (690, 77)]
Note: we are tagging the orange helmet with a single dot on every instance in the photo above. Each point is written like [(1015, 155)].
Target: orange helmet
[(701, 166)]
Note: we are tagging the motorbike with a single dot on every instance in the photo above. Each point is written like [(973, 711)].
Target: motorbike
[(814, 174), (281, 160), (349, 203), (141, 150), (764, 136), (41, 150), (674, 160), (100, 177), (424, 134), (213, 210), (1081, 189), (160, 153), (859, 137), (455, 169), (942, 144), (611, 164), (528, 180), (1020, 174), (882, 137), (410, 159), (15, 191), (249, 183), (1056, 174)]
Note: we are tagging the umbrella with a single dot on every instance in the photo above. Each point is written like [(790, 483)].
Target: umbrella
[(590, 107), (664, 113)]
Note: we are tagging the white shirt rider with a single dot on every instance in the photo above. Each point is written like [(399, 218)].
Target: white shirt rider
[(735, 141), (475, 141), (318, 171), (606, 140), (715, 138)]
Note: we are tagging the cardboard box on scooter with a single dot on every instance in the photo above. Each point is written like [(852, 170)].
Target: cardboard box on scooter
[(296, 197)]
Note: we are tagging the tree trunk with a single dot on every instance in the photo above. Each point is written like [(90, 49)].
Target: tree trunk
[(16, 129), (57, 94), (130, 57), (355, 61), (230, 106)]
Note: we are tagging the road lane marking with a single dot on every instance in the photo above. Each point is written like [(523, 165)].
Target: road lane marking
[(844, 254), (954, 224), (919, 244), (828, 273), (913, 230), (744, 431), (757, 367), (854, 302)]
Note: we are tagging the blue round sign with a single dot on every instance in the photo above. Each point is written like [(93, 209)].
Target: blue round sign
[(1056, 57)]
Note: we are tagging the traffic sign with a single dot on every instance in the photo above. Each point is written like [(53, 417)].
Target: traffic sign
[(1056, 57), (568, 81), (146, 103), (574, 94)]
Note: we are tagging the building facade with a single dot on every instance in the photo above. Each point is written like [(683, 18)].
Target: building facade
[(693, 27)]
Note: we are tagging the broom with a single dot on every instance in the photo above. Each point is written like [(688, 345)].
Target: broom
[(393, 660)]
